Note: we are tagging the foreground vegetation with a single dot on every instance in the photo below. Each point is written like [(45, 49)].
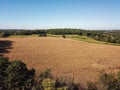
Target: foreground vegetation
[(104, 36), (15, 76)]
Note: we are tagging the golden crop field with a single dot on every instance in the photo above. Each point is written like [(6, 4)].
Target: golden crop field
[(65, 57)]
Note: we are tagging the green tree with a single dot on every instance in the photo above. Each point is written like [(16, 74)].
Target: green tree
[(3, 65), (18, 76)]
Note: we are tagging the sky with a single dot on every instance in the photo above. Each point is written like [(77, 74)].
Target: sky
[(42, 14)]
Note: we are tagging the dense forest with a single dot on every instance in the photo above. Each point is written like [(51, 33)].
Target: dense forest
[(112, 36)]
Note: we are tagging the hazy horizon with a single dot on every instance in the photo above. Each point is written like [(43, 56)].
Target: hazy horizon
[(46, 14)]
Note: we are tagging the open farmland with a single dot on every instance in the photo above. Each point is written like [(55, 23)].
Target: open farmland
[(65, 57)]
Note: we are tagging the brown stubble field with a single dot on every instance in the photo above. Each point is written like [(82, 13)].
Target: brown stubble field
[(65, 57)]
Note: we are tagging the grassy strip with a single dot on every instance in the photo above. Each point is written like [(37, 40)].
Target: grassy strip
[(84, 39), (50, 35), (78, 37), (23, 36), (75, 37)]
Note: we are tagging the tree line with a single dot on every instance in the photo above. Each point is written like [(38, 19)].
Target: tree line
[(100, 35)]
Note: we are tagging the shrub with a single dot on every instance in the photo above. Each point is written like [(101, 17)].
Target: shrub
[(110, 81), (63, 36), (42, 34), (2, 35), (91, 86), (46, 74), (48, 84), (68, 83)]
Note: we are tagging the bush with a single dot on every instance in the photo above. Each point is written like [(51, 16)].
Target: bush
[(91, 86), (46, 74), (43, 34), (68, 83), (2, 35), (48, 83), (63, 36), (111, 81)]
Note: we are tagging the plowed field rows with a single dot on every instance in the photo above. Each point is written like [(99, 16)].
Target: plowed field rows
[(65, 57)]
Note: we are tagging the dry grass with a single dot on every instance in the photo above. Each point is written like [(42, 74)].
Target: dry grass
[(65, 57)]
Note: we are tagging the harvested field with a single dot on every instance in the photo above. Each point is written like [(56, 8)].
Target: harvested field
[(65, 57)]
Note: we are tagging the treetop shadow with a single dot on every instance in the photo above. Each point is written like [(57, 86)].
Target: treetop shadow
[(5, 46)]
